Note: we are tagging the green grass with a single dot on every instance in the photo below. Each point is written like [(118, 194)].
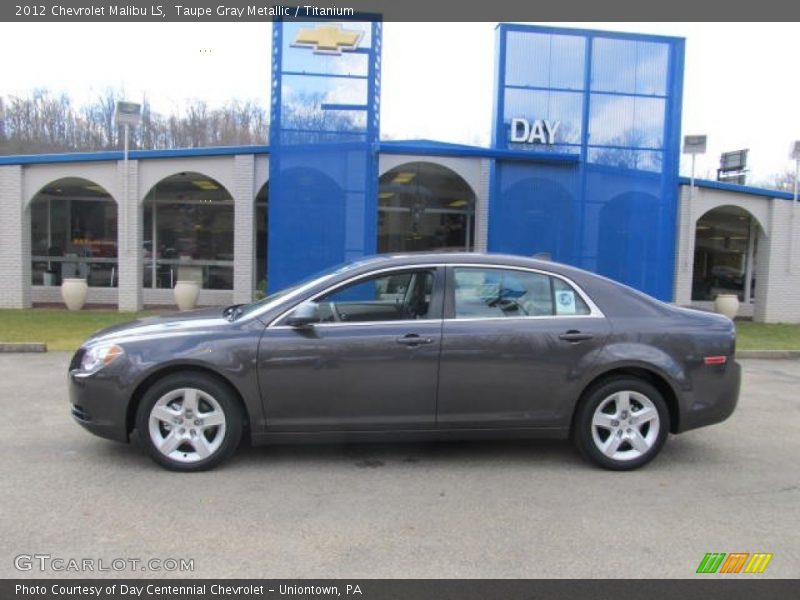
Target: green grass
[(59, 329), (65, 330), (767, 336)]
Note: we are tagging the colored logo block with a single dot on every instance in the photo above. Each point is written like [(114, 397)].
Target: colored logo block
[(733, 563)]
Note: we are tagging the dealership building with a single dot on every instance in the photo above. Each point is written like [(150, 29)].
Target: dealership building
[(582, 169)]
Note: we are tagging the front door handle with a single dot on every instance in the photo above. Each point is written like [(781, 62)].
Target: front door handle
[(413, 339), (575, 336)]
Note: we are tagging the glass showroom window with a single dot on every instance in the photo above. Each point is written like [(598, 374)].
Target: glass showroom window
[(725, 254), (74, 234), (188, 233), (262, 214), (425, 206)]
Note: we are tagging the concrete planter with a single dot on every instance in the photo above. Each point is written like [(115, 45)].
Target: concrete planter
[(186, 292), (727, 304), (73, 292)]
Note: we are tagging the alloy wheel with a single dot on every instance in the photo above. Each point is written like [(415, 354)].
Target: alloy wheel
[(625, 425), (187, 425)]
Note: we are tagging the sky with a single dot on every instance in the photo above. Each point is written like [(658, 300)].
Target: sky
[(740, 85)]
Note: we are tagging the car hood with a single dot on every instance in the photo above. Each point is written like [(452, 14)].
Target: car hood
[(171, 324)]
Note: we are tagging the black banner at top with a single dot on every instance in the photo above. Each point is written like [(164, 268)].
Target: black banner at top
[(408, 10)]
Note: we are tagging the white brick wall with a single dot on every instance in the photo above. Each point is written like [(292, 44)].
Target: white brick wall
[(779, 267), (14, 250), (244, 194), (15, 262), (482, 207), (129, 236)]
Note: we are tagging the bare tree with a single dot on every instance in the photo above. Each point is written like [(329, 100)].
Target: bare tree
[(783, 181), (46, 123)]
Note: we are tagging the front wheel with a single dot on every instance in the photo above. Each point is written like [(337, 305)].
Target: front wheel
[(621, 424), (189, 422)]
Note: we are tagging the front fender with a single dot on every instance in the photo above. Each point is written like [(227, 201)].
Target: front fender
[(231, 355)]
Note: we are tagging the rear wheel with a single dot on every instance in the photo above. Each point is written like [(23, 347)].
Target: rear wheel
[(621, 424), (189, 422)]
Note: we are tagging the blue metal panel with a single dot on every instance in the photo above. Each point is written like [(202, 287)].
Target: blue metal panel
[(618, 99), (324, 142)]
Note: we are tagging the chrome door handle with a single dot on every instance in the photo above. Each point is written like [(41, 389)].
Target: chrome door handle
[(575, 336), (413, 339)]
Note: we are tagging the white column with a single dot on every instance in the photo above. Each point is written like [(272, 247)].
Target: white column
[(748, 267), (684, 246), (244, 197), (15, 241), (482, 207), (129, 237)]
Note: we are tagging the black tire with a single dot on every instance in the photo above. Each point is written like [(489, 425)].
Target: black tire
[(583, 432), (210, 391)]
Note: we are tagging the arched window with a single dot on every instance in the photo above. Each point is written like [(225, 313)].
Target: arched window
[(188, 232), (74, 233), (425, 206), (725, 254)]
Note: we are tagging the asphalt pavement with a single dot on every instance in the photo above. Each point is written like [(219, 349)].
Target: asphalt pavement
[(452, 510)]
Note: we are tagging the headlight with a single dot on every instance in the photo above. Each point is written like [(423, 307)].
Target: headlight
[(100, 356)]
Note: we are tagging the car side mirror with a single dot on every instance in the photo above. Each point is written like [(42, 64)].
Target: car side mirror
[(304, 315)]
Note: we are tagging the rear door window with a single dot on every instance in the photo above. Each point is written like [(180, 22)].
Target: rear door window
[(492, 293)]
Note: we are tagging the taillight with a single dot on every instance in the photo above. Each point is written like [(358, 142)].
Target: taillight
[(715, 360)]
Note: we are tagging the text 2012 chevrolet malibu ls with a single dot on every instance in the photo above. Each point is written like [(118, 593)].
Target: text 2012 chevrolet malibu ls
[(414, 347)]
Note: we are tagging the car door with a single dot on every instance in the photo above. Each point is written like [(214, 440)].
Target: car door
[(514, 344), (371, 363)]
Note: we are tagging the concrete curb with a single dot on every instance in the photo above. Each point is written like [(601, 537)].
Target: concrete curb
[(22, 347), (769, 354)]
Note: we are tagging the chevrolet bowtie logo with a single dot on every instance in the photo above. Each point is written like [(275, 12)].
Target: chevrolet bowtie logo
[(328, 39)]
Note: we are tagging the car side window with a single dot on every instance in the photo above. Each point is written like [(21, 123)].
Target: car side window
[(391, 297), (489, 293)]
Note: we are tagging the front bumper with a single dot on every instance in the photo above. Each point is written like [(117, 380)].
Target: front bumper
[(713, 397), (98, 405)]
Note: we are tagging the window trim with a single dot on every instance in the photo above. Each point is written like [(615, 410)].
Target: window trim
[(442, 286), (450, 312)]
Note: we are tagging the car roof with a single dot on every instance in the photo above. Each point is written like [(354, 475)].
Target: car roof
[(490, 258)]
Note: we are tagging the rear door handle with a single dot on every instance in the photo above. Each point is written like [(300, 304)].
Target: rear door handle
[(575, 336), (413, 339)]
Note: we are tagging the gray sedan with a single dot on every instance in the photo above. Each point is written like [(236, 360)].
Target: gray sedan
[(428, 346)]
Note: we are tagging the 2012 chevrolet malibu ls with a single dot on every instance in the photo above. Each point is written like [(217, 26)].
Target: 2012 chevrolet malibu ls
[(425, 346)]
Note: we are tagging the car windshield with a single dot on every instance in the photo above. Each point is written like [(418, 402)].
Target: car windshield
[(317, 277)]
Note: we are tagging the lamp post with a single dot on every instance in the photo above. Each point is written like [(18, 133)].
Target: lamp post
[(127, 114), (692, 145)]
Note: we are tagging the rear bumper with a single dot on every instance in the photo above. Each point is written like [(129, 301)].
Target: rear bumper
[(98, 406), (713, 398)]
